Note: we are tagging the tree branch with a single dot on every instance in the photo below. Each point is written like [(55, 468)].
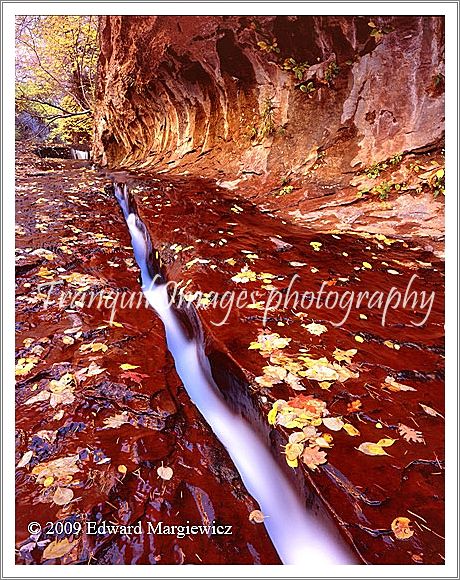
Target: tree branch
[(30, 100)]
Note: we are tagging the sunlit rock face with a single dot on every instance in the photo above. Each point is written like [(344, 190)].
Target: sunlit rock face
[(212, 96)]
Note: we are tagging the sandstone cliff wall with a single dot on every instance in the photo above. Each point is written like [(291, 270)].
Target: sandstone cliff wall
[(230, 96)]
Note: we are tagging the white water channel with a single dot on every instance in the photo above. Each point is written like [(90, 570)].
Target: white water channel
[(298, 535)]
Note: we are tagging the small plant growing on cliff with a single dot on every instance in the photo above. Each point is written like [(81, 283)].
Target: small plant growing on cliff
[(374, 170), (320, 160), (383, 189), (378, 32), (435, 179), (284, 190), (332, 72), (438, 80), (308, 88), (297, 68), (252, 131), (269, 47), (437, 85), (438, 183), (267, 126)]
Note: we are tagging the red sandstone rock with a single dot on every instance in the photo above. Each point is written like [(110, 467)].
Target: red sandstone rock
[(363, 494), (190, 92)]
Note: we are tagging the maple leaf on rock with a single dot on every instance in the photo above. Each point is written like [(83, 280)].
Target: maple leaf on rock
[(316, 329), (354, 406), (312, 406), (136, 377), (267, 343), (313, 457)]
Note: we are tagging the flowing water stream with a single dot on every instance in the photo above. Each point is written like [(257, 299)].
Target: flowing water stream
[(298, 535), (79, 153)]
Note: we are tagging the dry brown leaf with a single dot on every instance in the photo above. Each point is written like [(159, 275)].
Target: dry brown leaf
[(59, 469), (430, 411), (293, 450), (116, 420), (316, 329), (344, 373), (354, 406), (256, 516), (392, 385), (344, 355), (41, 396), (409, 434), (294, 382), (333, 423), (94, 347), (64, 398), (64, 383), (62, 496), (297, 437), (313, 456), (352, 431), (321, 372), (90, 371), (47, 435), (25, 459)]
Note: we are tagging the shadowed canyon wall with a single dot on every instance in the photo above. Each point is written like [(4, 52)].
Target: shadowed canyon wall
[(226, 96)]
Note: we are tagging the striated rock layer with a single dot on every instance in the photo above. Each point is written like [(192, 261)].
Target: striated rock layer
[(228, 96)]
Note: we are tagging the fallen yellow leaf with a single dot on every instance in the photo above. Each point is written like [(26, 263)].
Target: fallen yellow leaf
[(94, 347), (350, 429), (371, 449), (128, 367), (386, 442), (58, 548)]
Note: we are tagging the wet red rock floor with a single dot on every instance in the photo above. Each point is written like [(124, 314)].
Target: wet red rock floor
[(90, 435), (125, 424), (392, 389)]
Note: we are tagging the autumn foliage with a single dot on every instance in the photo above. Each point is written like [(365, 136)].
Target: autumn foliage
[(56, 58)]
